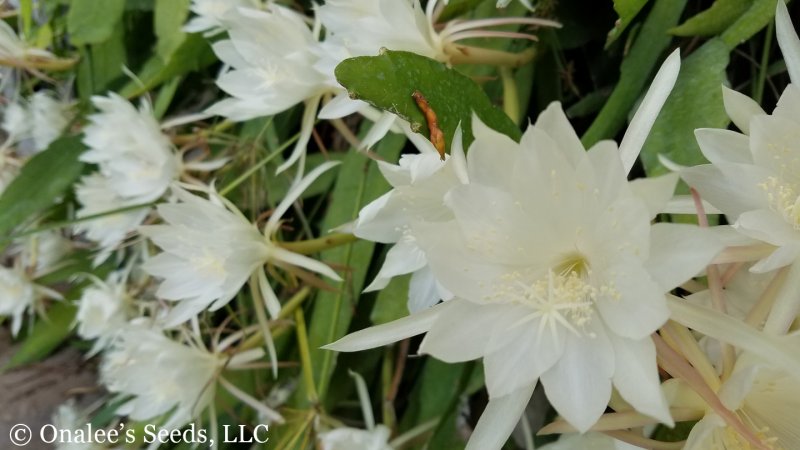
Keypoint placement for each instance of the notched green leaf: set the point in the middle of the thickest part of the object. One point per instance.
(387, 82)
(627, 11)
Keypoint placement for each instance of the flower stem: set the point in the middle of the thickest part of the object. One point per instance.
(317, 245)
(466, 54)
(305, 355)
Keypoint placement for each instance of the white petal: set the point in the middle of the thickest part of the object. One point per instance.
(423, 290)
(306, 129)
(636, 377)
(554, 122)
(740, 108)
(404, 257)
(460, 332)
(579, 385)
(655, 191)
(305, 262)
(387, 333)
(639, 297)
(768, 226)
(678, 252)
(340, 106)
(379, 130)
(724, 145)
(646, 115)
(700, 438)
(788, 41)
(499, 419)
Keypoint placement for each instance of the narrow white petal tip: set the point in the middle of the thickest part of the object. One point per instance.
(788, 41)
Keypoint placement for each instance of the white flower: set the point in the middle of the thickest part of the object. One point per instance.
(764, 399)
(136, 165)
(355, 439)
(166, 379)
(557, 272)
(96, 196)
(210, 251)
(17, 294)
(420, 183)
(102, 310)
(42, 252)
(588, 441)
(162, 376)
(36, 123)
(754, 177)
(129, 148)
(212, 13)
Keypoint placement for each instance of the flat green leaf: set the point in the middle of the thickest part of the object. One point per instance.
(387, 82)
(93, 21)
(636, 70)
(392, 301)
(46, 335)
(358, 183)
(714, 20)
(627, 11)
(169, 16)
(41, 181)
(760, 13)
(695, 102)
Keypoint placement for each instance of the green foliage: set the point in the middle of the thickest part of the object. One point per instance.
(43, 179)
(387, 82)
(92, 21)
(627, 11)
(46, 335)
(714, 20)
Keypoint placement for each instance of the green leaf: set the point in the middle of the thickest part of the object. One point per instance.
(93, 21)
(358, 183)
(695, 102)
(46, 335)
(636, 70)
(456, 8)
(169, 16)
(387, 82)
(760, 13)
(714, 20)
(627, 11)
(193, 54)
(41, 181)
(392, 301)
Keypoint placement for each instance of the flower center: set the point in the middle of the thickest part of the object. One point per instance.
(564, 297)
(783, 199)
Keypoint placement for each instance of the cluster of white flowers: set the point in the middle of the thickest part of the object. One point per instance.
(537, 256)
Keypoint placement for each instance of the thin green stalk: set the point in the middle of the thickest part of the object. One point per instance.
(243, 177)
(758, 88)
(305, 355)
(319, 244)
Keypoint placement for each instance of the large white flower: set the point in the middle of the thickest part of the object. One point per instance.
(211, 249)
(355, 439)
(557, 272)
(420, 183)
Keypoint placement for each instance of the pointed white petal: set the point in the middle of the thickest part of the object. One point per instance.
(305, 262)
(499, 419)
(680, 251)
(306, 128)
(724, 146)
(788, 41)
(655, 191)
(387, 333)
(404, 257)
(294, 193)
(636, 377)
(646, 115)
(740, 108)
